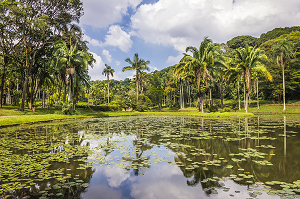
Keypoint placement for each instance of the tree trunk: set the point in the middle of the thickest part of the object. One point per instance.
(24, 93)
(210, 98)
(202, 102)
(244, 96)
(221, 92)
(3, 78)
(283, 85)
(108, 88)
(257, 94)
(190, 100)
(246, 104)
(137, 86)
(239, 94)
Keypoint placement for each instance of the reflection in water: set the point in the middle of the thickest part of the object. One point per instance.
(161, 157)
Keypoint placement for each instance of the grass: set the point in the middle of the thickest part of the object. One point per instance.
(9, 115)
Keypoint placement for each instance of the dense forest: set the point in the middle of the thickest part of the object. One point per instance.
(44, 62)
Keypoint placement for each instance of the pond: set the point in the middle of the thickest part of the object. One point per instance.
(152, 157)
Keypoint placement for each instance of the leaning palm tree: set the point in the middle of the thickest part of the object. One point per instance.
(138, 65)
(283, 50)
(106, 71)
(198, 63)
(249, 60)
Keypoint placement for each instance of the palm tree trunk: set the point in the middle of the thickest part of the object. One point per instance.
(108, 88)
(257, 94)
(221, 92)
(210, 98)
(283, 85)
(246, 104)
(202, 102)
(244, 96)
(190, 101)
(239, 94)
(137, 86)
(182, 96)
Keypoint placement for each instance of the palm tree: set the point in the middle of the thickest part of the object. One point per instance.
(198, 63)
(283, 50)
(249, 60)
(73, 62)
(138, 65)
(106, 71)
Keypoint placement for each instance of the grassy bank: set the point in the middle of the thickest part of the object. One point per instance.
(10, 115)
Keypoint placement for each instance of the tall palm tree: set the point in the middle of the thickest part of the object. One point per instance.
(283, 50)
(107, 71)
(138, 65)
(198, 63)
(249, 60)
(73, 62)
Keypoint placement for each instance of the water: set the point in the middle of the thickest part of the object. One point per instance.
(152, 157)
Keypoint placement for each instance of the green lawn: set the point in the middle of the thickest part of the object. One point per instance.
(10, 115)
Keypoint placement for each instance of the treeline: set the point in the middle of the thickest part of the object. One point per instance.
(244, 68)
(44, 61)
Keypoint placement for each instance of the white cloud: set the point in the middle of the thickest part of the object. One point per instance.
(174, 60)
(116, 176)
(91, 41)
(119, 38)
(115, 37)
(101, 14)
(117, 63)
(153, 68)
(107, 55)
(96, 72)
(181, 23)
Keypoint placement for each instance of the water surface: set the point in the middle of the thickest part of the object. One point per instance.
(152, 157)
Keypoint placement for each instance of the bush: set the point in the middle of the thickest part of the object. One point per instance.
(213, 108)
(226, 109)
(67, 108)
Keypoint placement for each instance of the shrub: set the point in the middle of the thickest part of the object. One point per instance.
(67, 108)
(213, 108)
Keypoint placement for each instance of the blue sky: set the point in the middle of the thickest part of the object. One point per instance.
(160, 30)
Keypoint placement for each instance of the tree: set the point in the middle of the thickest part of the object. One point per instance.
(250, 59)
(283, 50)
(198, 63)
(138, 65)
(106, 71)
(242, 41)
(74, 62)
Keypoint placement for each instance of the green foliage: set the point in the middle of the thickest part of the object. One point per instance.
(143, 104)
(67, 108)
(242, 41)
(276, 33)
(213, 108)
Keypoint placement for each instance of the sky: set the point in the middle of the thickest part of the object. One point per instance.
(160, 30)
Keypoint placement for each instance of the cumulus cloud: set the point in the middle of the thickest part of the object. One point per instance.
(107, 55)
(119, 38)
(116, 176)
(101, 14)
(96, 72)
(91, 41)
(174, 60)
(180, 23)
(115, 37)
